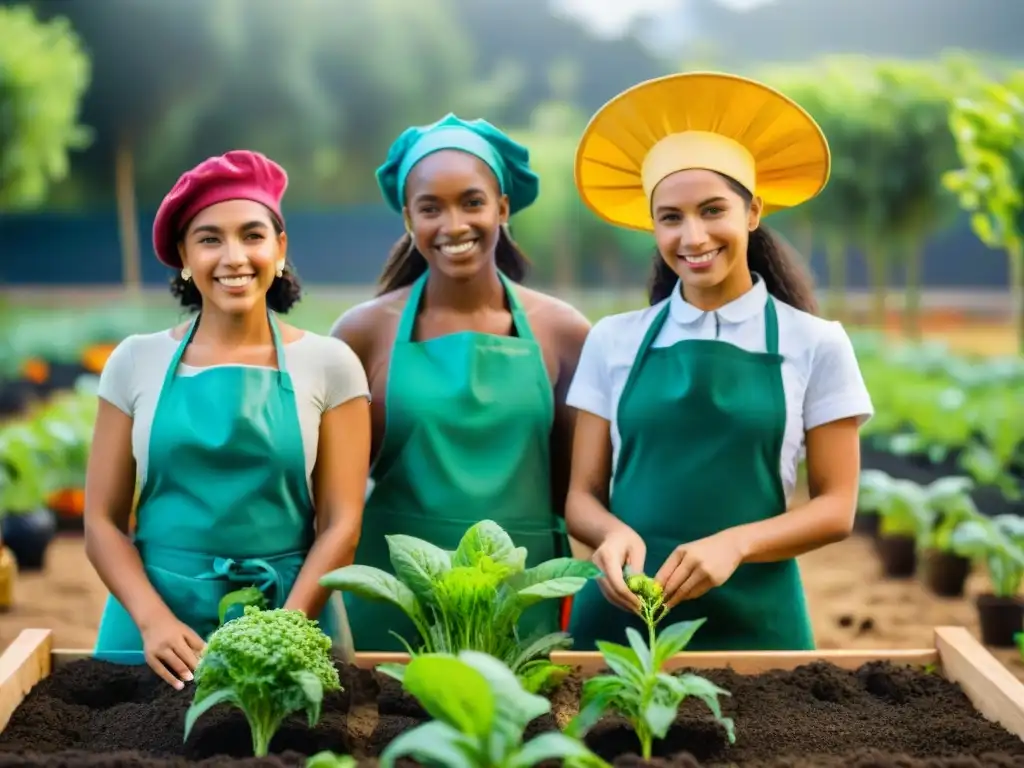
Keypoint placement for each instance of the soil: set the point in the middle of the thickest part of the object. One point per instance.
(90, 714)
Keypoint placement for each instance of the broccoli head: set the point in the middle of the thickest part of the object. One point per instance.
(269, 664)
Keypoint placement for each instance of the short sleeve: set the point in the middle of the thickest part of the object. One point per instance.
(344, 376)
(117, 379)
(835, 387)
(590, 389)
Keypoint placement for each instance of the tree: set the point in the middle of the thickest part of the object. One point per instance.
(43, 75)
(989, 129)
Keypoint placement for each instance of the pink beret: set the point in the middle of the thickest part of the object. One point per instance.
(236, 175)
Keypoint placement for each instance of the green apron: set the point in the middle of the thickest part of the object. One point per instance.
(225, 504)
(701, 425)
(469, 419)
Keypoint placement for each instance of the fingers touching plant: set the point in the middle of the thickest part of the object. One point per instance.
(641, 692)
(269, 664)
(480, 713)
(472, 598)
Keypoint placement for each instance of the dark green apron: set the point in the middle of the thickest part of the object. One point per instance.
(469, 419)
(701, 425)
(225, 504)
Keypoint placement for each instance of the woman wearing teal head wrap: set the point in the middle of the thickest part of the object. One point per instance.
(468, 370)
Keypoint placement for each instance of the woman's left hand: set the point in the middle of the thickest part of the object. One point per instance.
(694, 568)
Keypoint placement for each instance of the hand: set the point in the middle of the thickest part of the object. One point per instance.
(694, 568)
(621, 548)
(172, 649)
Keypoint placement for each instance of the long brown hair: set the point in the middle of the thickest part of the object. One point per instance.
(405, 263)
(768, 254)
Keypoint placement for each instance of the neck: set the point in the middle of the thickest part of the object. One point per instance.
(717, 296)
(250, 329)
(482, 291)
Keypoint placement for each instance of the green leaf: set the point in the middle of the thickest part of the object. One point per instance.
(434, 742)
(556, 568)
(639, 646)
(622, 660)
(513, 705)
(673, 639)
(313, 690)
(452, 691)
(204, 705)
(328, 759)
(418, 564)
(488, 539)
(374, 584)
(547, 590)
(239, 599)
(551, 746)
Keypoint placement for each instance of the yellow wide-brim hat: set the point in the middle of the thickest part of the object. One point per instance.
(708, 120)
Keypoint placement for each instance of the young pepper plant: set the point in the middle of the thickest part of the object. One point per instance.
(472, 598)
(640, 690)
(480, 712)
(269, 664)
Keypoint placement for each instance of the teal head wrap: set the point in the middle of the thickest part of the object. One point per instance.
(509, 160)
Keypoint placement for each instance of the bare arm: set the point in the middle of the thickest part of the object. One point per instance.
(586, 508)
(572, 333)
(339, 485)
(833, 469)
(109, 495)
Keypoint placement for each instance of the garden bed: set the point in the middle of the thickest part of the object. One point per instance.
(826, 708)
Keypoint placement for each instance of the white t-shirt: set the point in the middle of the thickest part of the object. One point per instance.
(325, 373)
(820, 374)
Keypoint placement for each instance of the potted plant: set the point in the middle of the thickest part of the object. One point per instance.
(944, 571)
(904, 516)
(28, 526)
(999, 541)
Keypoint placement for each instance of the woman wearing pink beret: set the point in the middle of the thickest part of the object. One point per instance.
(250, 438)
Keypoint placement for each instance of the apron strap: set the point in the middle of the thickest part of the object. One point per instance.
(771, 327)
(407, 322)
(172, 369)
(283, 376)
(641, 353)
(519, 321)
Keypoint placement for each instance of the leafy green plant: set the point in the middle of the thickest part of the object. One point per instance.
(480, 712)
(269, 664)
(952, 505)
(642, 692)
(999, 541)
(901, 504)
(472, 598)
(652, 600)
(328, 759)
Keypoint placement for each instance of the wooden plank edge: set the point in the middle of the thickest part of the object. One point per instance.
(23, 663)
(64, 656)
(755, 662)
(990, 686)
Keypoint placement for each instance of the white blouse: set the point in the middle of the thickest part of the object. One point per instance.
(820, 374)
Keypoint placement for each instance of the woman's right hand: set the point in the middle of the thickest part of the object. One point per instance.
(623, 547)
(172, 649)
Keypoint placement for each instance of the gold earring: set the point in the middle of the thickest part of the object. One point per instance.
(186, 274)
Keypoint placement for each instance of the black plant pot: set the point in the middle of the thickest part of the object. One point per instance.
(945, 573)
(866, 525)
(28, 535)
(1000, 618)
(899, 555)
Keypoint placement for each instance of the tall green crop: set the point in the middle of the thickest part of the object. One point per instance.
(269, 664)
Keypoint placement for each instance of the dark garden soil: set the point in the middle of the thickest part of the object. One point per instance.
(91, 714)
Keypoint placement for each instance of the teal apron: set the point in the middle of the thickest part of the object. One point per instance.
(701, 425)
(225, 504)
(469, 419)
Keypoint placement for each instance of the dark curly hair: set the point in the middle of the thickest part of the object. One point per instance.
(768, 254)
(284, 293)
(405, 263)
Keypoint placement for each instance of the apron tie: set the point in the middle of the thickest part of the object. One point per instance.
(254, 570)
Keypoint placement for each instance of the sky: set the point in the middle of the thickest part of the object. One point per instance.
(612, 17)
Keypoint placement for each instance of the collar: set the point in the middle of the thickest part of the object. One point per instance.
(736, 311)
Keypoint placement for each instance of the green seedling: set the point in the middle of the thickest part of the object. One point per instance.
(269, 664)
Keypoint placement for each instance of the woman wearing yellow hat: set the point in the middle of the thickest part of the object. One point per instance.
(694, 412)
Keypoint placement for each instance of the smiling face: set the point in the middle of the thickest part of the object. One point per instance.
(702, 223)
(234, 250)
(455, 210)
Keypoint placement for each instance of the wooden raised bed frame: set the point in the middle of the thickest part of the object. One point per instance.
(993, 690)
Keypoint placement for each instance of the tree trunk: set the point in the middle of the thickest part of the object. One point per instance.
(912, 292)
(878, 274)
(128, 224)
(835, 257)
